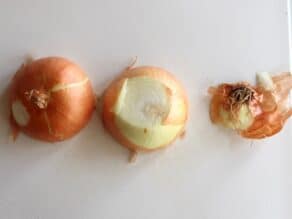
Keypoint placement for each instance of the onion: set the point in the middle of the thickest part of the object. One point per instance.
(51, 99)
(145, 108)
(253, 111)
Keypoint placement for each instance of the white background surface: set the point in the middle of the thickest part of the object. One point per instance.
(210, 174)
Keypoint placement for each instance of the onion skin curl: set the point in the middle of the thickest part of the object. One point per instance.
(269, 108)
(111, 94)
(56, 94)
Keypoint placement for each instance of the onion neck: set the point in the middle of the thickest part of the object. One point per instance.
(38, 98)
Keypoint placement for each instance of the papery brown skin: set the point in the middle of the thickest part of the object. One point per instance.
(269, 108)
(68, 110)
(112, 92)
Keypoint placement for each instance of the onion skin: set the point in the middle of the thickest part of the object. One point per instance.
(67, 110)
(112, 92)
(275, 111)
(268, 107)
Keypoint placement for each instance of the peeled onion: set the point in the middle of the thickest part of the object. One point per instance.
(145, 108)
(51, 99)
(253, 111)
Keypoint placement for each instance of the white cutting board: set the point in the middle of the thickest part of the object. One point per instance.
(210, 174)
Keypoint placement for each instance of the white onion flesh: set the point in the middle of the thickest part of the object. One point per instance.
(20, 113)
(143, 101)
(265, 80)
(142, 106)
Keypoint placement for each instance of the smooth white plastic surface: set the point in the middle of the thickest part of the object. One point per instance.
(210, 174)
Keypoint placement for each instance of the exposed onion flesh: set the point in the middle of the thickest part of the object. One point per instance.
(127, 129)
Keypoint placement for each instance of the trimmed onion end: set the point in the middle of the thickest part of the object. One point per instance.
(255, 112)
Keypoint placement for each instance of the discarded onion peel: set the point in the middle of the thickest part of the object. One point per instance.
(255, 112)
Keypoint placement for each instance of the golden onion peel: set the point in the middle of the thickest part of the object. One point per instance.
(253, 111)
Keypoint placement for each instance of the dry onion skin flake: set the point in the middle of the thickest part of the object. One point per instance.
(51, 99)
(145, 108)
(255, 112)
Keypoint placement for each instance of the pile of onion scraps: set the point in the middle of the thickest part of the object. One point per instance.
(255, 112)
(51, 99)
(145, 108)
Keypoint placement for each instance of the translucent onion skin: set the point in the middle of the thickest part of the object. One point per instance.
(69, 99)
(111, 94)
(269, 108)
